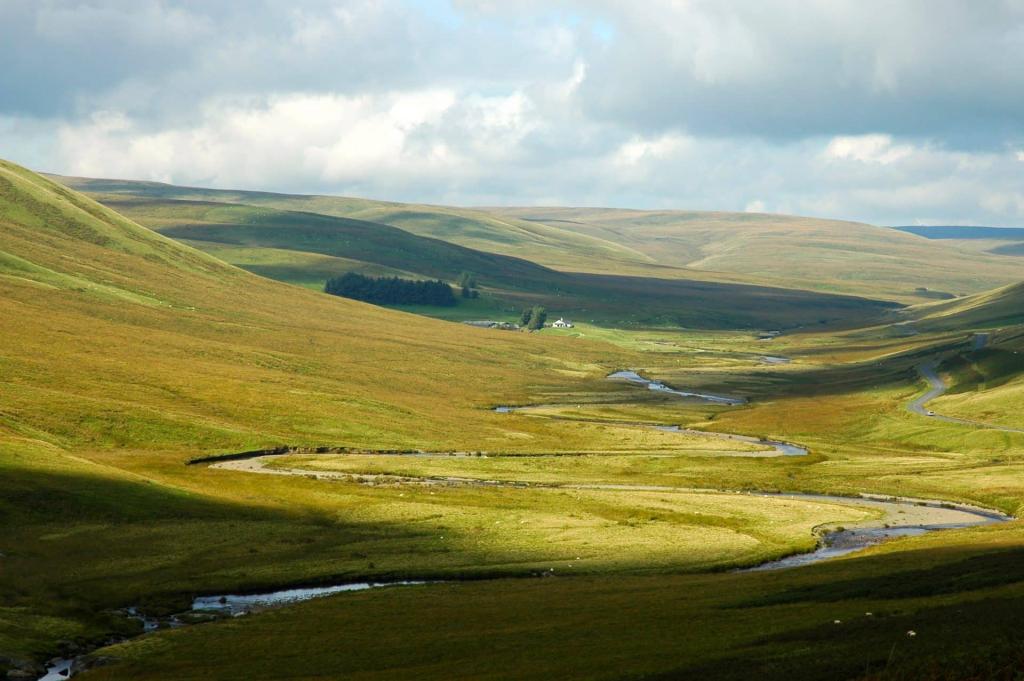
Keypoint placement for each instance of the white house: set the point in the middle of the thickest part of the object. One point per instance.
(561, 324)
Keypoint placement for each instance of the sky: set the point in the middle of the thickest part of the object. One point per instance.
(884, 111)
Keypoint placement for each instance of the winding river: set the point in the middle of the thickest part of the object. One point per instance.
(895, 517)
(634, 377)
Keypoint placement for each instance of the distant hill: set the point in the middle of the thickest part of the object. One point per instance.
(811, 253)
(543, 244)
(1000, 241)
(830, 256)
(303, 247)
(992, 309)
(965, 232)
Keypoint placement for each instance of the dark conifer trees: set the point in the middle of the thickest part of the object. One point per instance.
(391, 290)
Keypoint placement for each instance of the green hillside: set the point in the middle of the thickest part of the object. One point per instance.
(127, 355)
(292, 246)
(1000, 307)
(813, 253)
(368, 242)
(779, 250)
(544, 244)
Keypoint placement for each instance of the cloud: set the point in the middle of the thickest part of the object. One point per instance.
(793, 68)
(286, 140)
(867, 149)
(903, 112)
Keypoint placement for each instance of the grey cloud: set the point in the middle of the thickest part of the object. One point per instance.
(161, 58)
(656, 104)
(55, 53)
(791, 69)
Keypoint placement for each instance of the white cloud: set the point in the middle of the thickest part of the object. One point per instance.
(891, 113)
(867, 149)
(283, 139)
(638, 150)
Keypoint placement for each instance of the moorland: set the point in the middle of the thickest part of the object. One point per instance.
(184, 412)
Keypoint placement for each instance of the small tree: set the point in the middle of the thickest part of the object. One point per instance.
(538, 316)
(467, 282)
(524, 319)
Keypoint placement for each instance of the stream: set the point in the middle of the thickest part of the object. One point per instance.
(228, 605)
(779, 448)
(634, 377)
(240, 604)
(899, 517)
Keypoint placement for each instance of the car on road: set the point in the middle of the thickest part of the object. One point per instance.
(930, 412)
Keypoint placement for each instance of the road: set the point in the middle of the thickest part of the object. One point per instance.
(938, 387)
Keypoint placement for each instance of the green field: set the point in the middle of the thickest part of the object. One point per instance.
(127, 354)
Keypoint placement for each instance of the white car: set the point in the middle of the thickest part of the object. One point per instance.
(930, 412)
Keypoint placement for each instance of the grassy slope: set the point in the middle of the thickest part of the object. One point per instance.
(828, 255)
(112, 380)
(127, 354)
(548, 245)
(991, 309)
(788, 251)
(986, 385)
(510, 282)
(807, 624)
(249, 226)
(961, 593)
(70, 265)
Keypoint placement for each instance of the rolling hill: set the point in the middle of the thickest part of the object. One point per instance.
(812, 253)
(128, 354)
(984, 364)
(82, 284)
(544, 244)
(1000, 307)
(303, 247)
(776, 250)
(125, 354)
(994, 240)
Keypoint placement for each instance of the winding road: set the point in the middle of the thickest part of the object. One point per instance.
(938, 387)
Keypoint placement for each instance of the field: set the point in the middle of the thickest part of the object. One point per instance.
(126, 355)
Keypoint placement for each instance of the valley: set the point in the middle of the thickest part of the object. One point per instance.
(751, 413)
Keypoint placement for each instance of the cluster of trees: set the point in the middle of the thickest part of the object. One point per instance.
(391, 290)
(533, 319)
(467, 282)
